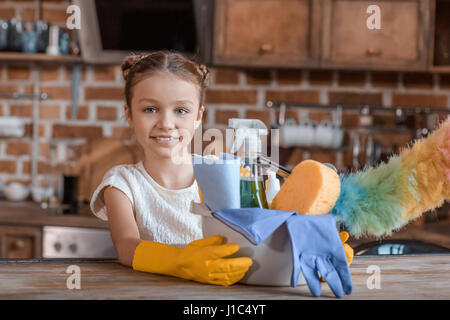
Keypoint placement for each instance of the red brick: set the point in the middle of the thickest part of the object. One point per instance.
(418, 80)
(289, 77)
(41, 167)
(295, 158)
(18, 148)
(7, 13)
(291, 113)
(352, 78)
(104, 93)
(393, 139)
(18, 73)
(44, 149)
(226, 76)
(106, 113)
(320, 77)
(231, 96)
(67, 131)
(8, 89)
(383, 119)
(57, 93)
(68, 73)
(263, 115)
(23, 111)
(319, 115)
(49, 73)
(323, 156)
(8, 166)
(56, 16)
(49, 112)
(125, 133)
(384, 79)
(28, 14)
(350, 119)
(29, 130)
(305, 96)
(104, 73)
(352, 98)
(222, 116)
(82, 112)
(258, 77)
(419, 100)
(444, 80)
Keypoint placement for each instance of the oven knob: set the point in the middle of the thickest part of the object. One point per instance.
(73, 247)
(57, 246)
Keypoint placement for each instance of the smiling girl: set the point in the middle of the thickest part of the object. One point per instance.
(147, 204)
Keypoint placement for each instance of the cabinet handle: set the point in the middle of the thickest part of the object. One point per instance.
(17, 245)
(372, 52)
(266, 48)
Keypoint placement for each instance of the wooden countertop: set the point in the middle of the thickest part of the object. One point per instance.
(402, 277)
(28, 213)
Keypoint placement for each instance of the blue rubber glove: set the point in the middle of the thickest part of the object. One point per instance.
(315, 241)
(255, 224)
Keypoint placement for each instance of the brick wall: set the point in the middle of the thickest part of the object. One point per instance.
(233, 93)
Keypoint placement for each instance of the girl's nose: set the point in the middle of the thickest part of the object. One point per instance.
(166, 121)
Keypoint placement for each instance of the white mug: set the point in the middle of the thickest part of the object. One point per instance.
(287, 133)
(304, 134)
(323, 135)
(338, 136)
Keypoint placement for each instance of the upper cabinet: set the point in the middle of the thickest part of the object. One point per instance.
(402, 40)
(323, 33)
(274, 33)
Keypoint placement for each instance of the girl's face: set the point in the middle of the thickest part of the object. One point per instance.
(164, 114)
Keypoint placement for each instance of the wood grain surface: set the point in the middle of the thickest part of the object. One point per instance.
(401, 277)
(28, 213)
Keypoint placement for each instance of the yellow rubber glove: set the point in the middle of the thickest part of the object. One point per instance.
(348, 250)
(201, 261)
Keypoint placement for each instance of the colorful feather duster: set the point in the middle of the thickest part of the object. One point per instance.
(377, 201)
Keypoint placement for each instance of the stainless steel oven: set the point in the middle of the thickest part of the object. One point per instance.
(69, 242)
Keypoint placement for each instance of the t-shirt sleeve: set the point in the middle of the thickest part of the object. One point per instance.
(116, 177)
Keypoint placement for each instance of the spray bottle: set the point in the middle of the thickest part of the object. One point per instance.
(248, 132)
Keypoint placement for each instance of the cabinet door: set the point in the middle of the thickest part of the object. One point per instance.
(20, 242)
(270, 33)
(401, 42)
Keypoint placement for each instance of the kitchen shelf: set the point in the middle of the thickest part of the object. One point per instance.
(440, 69)
(20, 57)
(417, 110)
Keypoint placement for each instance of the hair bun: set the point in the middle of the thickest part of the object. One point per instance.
(205, 74)
(127, 64)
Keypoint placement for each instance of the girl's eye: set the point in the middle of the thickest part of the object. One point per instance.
(183, 111)
(149, 109)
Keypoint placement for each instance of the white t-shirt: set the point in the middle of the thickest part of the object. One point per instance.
(161, 214)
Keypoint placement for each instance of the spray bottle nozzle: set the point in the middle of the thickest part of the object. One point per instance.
(248, 131)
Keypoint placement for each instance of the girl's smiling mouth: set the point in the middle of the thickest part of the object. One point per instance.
(166, 139)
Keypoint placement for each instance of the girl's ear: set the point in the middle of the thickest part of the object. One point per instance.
(199, 117)
(127, 113)
(200, 113)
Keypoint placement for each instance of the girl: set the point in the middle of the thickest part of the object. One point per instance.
(147, 204)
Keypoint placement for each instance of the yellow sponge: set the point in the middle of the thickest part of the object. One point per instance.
(311, 188)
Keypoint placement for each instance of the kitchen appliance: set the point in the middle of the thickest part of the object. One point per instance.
(70, 242)
(110, 30)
